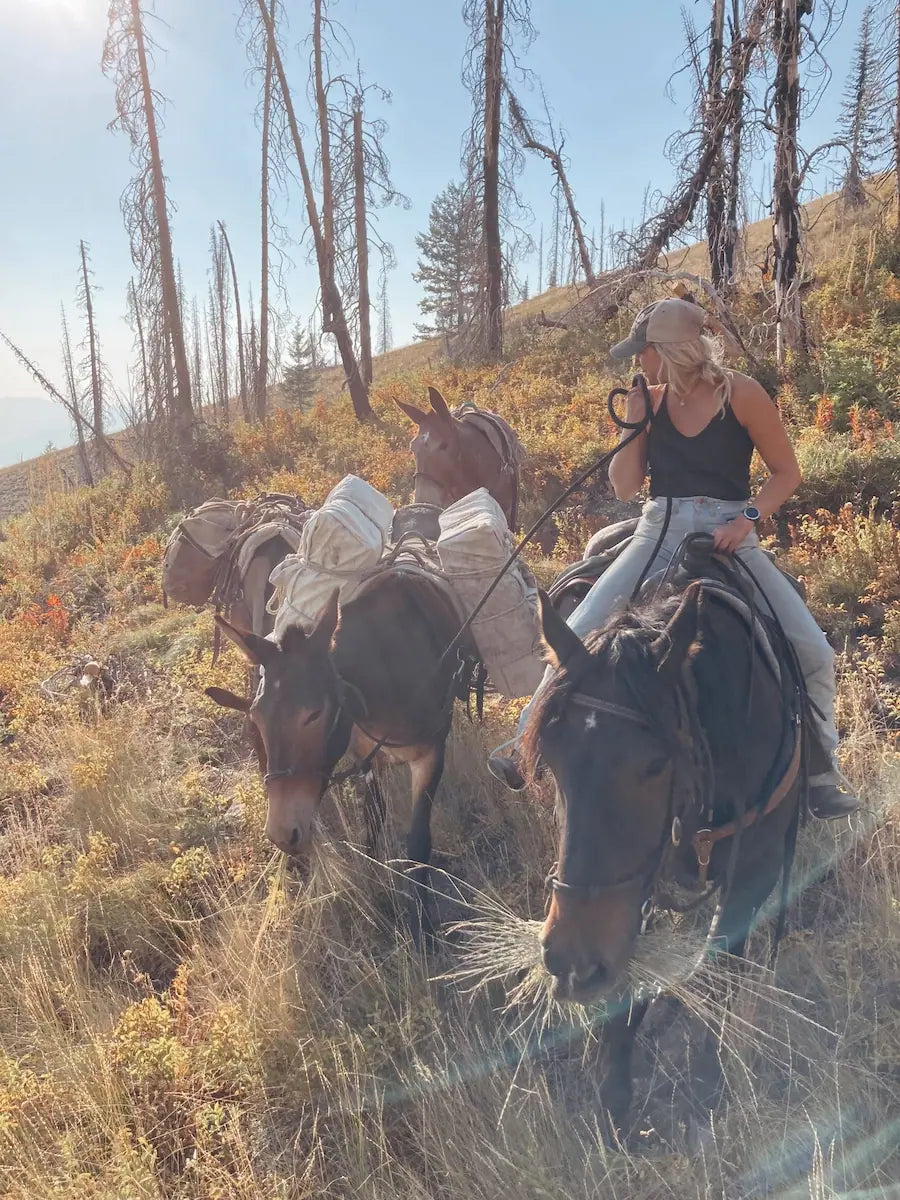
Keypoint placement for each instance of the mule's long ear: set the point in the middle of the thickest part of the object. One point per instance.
(228, 699)
(439, 404)
(565, 649)
(327, 620)
(259, 651)
(679, 639)
(413, 413)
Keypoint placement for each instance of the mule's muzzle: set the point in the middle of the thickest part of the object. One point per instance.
(578, 984)
(293, 804)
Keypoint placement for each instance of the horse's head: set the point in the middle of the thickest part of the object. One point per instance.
(608, 728)
(300, 721)
(441, 475)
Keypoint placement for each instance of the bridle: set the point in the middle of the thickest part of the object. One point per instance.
(688, 736)
(340, 713)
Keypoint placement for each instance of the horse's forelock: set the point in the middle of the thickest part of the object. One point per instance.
(622, 648)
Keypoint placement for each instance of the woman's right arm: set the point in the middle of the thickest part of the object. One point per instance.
(628, 469)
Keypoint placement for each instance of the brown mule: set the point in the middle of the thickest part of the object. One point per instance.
(459, 452)
(377, 673)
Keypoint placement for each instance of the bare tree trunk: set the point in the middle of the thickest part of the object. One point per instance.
(362, 246)
(493, 251)
(733, 188)
(55, 394)
(715, 189)
(262, 368)
(171, 312)
(142, 347)
(897, 121)
(242, 362)
(786, 182)
(84, 457)
(324, 144)
(96, 376)
(219, 300)
(197, 381)
(335, 321)
(530, 142)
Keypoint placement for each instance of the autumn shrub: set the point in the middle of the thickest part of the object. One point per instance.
(847, 468)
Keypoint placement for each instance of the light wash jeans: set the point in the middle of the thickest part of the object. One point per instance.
(701, 514)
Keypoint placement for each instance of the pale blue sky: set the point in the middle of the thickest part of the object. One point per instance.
(604, 67)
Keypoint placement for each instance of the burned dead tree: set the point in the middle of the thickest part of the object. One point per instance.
(789, 330)
(93, 364)
(321, 223)
(55, 394)
(553, 154)
(127, 54)
(239, 327)
(654, 236)
(716, 197)
(218, 314)
(75, 402)
(362, 243)
(492, 155)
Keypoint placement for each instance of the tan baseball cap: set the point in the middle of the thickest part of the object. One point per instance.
(670, 320)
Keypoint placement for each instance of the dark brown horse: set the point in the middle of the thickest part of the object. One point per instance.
(379, 672)
(458, 452)
(675, 752)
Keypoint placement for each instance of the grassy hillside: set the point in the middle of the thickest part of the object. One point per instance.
(181, 1015)
(831, 228)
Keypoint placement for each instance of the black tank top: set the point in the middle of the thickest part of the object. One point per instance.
(715, 463)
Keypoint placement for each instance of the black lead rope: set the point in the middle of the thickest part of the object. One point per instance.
(635, 429)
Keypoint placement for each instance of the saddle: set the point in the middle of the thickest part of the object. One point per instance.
(572, 585)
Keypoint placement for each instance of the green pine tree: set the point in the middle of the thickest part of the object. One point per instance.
(449, 262)
(298, 384)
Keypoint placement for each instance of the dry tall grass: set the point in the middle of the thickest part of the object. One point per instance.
(181, 1016)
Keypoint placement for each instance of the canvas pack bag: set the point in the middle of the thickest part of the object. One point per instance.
(341, 542)
(194, 551)
(473, 546)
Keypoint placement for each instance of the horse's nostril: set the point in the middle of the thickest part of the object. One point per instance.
(554, 962)
(295, 837)
(598, 974)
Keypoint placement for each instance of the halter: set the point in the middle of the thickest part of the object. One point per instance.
(672, 826)
(505, 469)
(339, 712)
(692, 737)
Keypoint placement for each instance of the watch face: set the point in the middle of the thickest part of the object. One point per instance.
(751, 512)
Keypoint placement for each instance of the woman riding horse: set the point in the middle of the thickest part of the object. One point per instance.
(706, 423)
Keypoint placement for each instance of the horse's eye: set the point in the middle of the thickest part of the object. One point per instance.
(313, 716)
(655, 767)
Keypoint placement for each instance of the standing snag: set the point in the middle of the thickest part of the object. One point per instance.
(127, 54)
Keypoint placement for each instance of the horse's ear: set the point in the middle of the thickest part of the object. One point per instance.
(256, 649)
(228, 699)
(679, 641)
(564, 649)
(327, 620)
(439, 405)
(413, 413)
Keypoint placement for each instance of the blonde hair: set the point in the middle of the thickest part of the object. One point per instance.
(686, 365)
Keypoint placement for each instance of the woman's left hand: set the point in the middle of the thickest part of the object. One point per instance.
(727, 538)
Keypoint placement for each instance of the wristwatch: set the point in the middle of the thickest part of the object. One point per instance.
(752, 513)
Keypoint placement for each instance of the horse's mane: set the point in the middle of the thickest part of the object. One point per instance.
(621, 647)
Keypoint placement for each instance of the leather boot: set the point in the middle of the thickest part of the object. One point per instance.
(828, 801)
(507, 770)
